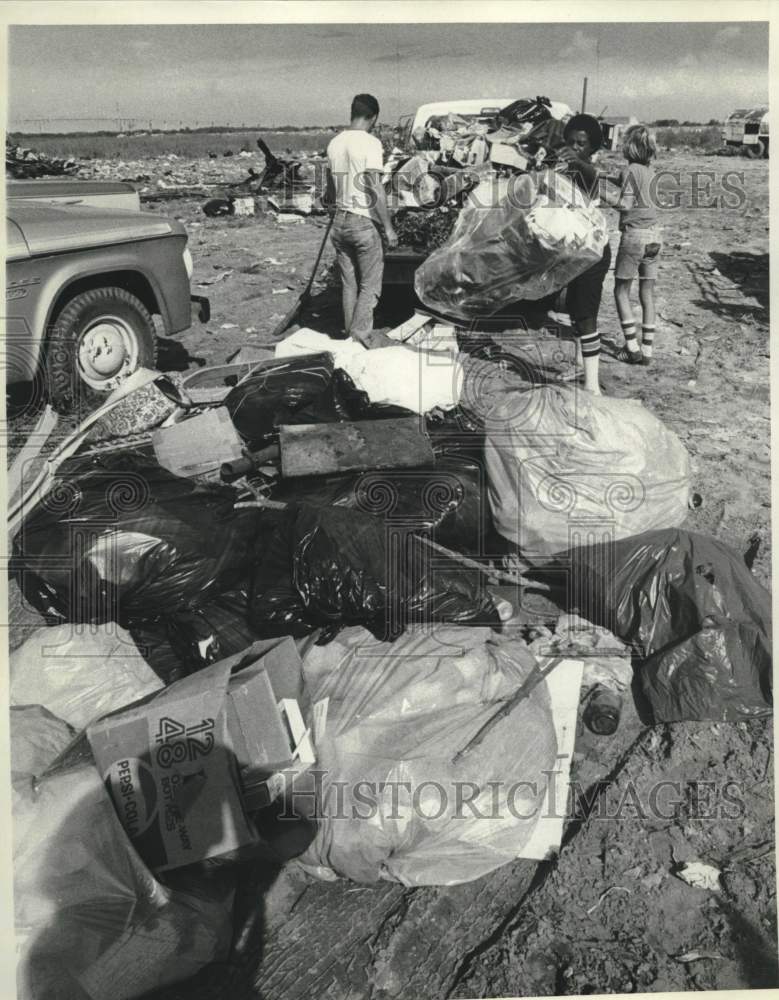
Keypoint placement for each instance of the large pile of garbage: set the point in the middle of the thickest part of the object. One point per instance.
(282, 589)
(451, 157)
(22, 163)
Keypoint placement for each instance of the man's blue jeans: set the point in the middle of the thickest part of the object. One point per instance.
(360, 255)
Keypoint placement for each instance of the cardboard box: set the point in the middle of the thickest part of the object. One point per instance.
(199, 445)
(172, 764)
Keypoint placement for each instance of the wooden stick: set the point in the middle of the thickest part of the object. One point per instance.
(534, 678)
(495, 574)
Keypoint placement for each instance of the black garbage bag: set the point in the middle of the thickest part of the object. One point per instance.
(332, 567)
(448, 499)
(691, 610)
(123, 539)
(305, 389)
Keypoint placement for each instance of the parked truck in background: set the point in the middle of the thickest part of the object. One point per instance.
(748, 128)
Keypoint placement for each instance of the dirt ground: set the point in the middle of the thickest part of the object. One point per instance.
(608, 915)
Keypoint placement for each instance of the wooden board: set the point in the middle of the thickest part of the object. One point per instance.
(318, 449)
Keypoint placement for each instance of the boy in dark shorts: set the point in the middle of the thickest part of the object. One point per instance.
(584, 137)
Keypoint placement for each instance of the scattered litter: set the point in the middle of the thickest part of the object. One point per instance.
(696, 956)
(229, 326)
(699, 875)
(613, 888)
(219, 277)
(282, 291)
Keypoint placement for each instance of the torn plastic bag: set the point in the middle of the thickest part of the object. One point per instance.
(334, 567)
(92, 921)
(121, 539)
(80, 673)
(562, 463)
(448, 500)
(396, 716)
(690, 608)
(511, 243)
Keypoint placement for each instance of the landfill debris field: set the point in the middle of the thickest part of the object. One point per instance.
(250, 557)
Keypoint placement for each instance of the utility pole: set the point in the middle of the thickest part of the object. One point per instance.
(584, 96)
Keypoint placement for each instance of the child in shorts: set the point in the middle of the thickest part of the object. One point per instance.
(639, 246)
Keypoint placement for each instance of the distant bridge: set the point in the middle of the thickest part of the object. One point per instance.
(118, 123)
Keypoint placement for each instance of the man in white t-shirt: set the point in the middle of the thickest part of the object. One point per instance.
(355, 190)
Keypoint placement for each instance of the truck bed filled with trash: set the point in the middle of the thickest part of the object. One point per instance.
(347, 654)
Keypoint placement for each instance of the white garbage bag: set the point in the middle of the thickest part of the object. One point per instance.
(566, 468)
(80, 672)
(393, 805)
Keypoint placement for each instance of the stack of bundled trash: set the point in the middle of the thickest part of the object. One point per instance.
(453, 156)
(283, 589)
(22, 163)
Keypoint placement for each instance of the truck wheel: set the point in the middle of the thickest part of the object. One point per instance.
(755, 150)
(98, 339)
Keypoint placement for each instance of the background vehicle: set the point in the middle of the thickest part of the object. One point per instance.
(83, 285)
(748, 128)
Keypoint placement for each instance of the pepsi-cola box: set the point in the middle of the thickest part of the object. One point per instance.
(172, 763)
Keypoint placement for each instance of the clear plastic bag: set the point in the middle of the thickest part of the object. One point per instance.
(562, 463)
(513, 242)
(80, 672)
(391, 800)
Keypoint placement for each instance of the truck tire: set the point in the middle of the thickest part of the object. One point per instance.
(755, 150)
(97, 340)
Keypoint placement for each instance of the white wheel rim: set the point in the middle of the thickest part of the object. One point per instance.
(108, 351)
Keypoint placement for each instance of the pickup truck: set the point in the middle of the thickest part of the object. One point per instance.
(84, 281)
(748, 128)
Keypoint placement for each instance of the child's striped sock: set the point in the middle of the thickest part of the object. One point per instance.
(629, 333)
(647, 340)
(590, 344)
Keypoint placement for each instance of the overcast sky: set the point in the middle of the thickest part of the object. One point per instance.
(307, 74)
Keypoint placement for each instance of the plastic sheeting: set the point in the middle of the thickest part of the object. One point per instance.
(401, 376)
(691, 609)
(512, 243)
(92, 921)
(396, 715)
(334, 567)
(80, 673)
(562, 464)
(121, 539)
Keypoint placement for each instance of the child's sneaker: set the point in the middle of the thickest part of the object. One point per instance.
(630, 357)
